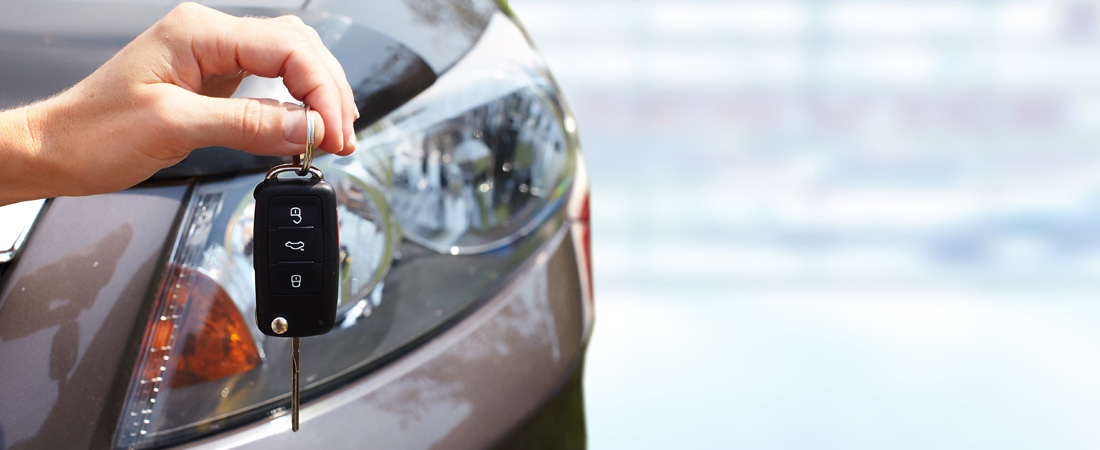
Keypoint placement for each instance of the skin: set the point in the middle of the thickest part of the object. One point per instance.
(165, 94)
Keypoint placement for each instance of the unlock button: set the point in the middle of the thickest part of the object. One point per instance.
(295, 278)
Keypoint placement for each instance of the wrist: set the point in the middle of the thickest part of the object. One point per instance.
(25, 172)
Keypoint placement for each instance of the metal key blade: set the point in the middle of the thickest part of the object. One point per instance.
(294, 388)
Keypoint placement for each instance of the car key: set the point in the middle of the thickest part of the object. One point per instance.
(296, 255)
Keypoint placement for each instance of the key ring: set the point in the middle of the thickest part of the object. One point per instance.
(310, 141)
(300, 167)
(283, 168)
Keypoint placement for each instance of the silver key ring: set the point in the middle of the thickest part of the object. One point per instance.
(310, 143)
(296, 168)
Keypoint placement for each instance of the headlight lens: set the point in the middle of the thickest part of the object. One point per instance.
(471, 163)
(475, 182)
(478, 162)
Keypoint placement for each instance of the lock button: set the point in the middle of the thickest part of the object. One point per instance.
(295, 278)
(294, 211)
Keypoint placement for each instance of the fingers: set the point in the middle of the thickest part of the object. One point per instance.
(261, 127)
(283, 47)
(295, 24)
(268, 50)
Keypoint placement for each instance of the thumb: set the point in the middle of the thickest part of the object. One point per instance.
(257, 126)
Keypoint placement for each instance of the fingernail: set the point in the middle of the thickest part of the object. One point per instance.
(351, 143)
(356, 113)
(294, 124)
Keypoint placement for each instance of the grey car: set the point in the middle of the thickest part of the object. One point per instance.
(127, 320)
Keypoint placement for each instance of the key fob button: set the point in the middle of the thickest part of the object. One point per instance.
(289, 245)
(295, 278)
(294, 211)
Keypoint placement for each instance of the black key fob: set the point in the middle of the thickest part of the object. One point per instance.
(296, 255)
(296, 242)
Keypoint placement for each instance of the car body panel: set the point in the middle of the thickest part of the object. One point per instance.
(67, 308)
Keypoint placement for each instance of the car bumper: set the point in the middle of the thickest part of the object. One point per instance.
(468, 387)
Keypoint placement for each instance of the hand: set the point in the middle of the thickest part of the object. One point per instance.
(164, 94)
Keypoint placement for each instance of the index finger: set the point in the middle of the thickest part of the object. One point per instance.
(265, 49)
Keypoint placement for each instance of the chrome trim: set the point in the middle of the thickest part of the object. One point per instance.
(16, 221)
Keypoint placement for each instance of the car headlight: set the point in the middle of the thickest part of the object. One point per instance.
(445, 198)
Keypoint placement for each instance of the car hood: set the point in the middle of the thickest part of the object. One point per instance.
(391, 50)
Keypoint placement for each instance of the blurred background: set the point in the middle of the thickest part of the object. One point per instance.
(838, 224)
